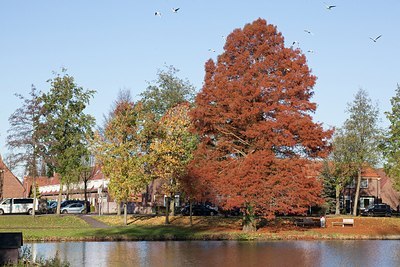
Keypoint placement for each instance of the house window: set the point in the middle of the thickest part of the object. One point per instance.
(364, 183)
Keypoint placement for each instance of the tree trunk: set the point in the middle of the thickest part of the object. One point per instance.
(119, 208)
(172, 205)
(249, 223)
(167, 211)
(357, 196)
(190, 212)
(337, 197)
(59, 199)
(85, 195)
(34, 195)
(125, 214)
(67, 193)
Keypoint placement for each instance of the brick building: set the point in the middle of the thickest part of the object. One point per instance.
(10, 185)
(376, 187)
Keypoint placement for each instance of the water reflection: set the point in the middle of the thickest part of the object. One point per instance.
(224, 253)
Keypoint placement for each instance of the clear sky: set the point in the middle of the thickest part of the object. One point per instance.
(111, 45)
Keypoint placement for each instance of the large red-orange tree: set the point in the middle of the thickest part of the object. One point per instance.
(254, 117)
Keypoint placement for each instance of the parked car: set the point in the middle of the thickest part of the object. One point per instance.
(17, 205)
(378, 210)
(70, 201)
(43, 206)
(73, 208)
(198, 210)
(52, 207)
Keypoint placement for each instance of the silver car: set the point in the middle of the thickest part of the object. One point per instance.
(73, 208)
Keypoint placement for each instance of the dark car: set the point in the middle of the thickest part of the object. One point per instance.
(198, 210)
(378, 210)
(52, 207)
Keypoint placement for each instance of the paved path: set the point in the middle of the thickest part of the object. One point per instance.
(93, 222)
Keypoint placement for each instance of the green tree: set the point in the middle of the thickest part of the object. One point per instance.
(118, 148)
(65, 127)
(24, 136)
(171, 152)
(391, 147)
(363, 137)
(337, 170)
(166, 92)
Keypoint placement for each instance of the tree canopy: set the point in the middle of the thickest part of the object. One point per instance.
(165, 92)
(391, 146)
(171, 152)
(363, 137)
(253, 116)
(65, 127)
(118, 148)
(24, 136)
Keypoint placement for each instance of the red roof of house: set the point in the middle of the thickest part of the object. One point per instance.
(370, 173)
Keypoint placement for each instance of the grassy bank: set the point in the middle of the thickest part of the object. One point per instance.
(62, 228)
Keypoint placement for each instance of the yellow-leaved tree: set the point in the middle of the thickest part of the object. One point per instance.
(171, 151)
(117, 147)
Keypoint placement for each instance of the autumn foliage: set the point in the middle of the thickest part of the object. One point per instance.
(254, 118)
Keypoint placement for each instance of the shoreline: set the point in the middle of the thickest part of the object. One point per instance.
(70, 228)
(211, 239)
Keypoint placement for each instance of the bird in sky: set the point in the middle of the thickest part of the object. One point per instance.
(295, 42)
(308, 31)
(211, 50)
(329, 7)
(157, 13)
(376, 38)
(175, 9)
(310, 51)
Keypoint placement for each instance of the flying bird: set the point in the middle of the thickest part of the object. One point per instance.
(295, 42)
(157, 13)
(376, 38)
(308, 31)
(175, 9)
(329, 7)
(310, 51)
(211, 50)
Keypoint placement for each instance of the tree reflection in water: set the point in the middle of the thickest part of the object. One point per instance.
(224, 253)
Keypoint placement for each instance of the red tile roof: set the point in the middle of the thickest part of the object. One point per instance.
(369, 172)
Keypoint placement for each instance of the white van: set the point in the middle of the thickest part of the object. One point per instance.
(17, 205)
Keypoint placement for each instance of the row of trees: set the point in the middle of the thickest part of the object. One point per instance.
(244, 140)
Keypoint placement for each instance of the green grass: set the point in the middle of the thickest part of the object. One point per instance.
(45, 227)
(73, 228)
(40, 222)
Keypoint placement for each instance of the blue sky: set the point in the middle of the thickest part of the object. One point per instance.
(113, 45)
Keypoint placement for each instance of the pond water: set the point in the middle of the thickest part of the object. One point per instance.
(224, 253)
